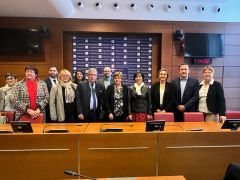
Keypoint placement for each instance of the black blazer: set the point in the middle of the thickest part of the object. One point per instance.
(84, 95)
(215, 99)
(49, 84)
(140, 103)
(168, 97)
(109, 100)
(190, 95)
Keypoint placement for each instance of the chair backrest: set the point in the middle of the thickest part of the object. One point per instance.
(39, 119)
(233, 114)
(9, 114)
(168, 116)
(193, 117)
(232, 172)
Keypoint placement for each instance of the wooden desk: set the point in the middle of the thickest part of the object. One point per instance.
(197, 155)
(37, 155)
(134, 152)
(144, 178)
(147, 178)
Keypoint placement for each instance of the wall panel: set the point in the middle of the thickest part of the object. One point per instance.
(58, 52)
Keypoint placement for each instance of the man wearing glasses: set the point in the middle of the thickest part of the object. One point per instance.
(6, 92)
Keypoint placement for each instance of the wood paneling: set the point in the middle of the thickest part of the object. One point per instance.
(130, 156)
(45, 156)
(212, 28)
(181, 153)
(57, 49)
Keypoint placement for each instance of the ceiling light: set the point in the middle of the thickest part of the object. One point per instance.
(116, 6)
(216, 9)
(80, 5)
(185, 8)
(98, 5)
(201, 8)
(168, 7)
(133, 6)
(150, 7)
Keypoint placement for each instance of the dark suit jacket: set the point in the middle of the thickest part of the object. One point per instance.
(109, 100)
(84, 95)
(49, 87)
(190, 95)
(101, 81)
(49, 84)
(215, 99)
(168, 97)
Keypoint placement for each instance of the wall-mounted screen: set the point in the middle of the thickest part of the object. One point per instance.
(19, 42)
(204, 45)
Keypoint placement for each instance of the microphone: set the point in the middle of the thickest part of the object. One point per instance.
(72, 173)
(113, 129)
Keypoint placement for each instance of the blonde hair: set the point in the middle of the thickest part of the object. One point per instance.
(210, 68)
(64, 71)
(118, 73)
(162, 69)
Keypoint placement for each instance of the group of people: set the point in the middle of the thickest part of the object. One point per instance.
(63, 98)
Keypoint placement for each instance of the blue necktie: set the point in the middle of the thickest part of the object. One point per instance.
(94, 97)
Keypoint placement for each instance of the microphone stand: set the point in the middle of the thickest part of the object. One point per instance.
(72, 173)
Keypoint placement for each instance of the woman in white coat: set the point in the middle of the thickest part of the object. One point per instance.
(63, 99)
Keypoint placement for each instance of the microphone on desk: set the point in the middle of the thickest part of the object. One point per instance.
(72, 173)
(113, 129)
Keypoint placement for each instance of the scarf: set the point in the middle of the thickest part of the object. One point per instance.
(138, 88)
(32, 92)
(6, 88)
(69, 91)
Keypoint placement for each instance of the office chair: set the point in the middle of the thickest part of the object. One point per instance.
(232, 172)
(39, 119)
(193, 117)
(233, 114)
(168, 116)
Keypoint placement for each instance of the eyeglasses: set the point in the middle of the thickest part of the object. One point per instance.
(9, 78)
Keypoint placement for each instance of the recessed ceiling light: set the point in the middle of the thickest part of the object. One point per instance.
(116, 6)
(98, 5)
(133, 6)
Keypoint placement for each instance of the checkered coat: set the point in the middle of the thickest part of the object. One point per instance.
(21, 98)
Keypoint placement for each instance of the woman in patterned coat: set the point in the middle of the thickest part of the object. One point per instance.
(30, 94)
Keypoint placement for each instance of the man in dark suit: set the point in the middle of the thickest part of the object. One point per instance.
(50, 81)
(90, 98)
(186, 93)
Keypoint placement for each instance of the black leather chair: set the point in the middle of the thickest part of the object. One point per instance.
(232, 172)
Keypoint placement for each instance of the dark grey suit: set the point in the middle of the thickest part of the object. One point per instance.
(49, 86)
(189, 99)
(101, 81)
(83, 101)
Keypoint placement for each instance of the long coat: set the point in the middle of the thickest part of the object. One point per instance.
(21, 100)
